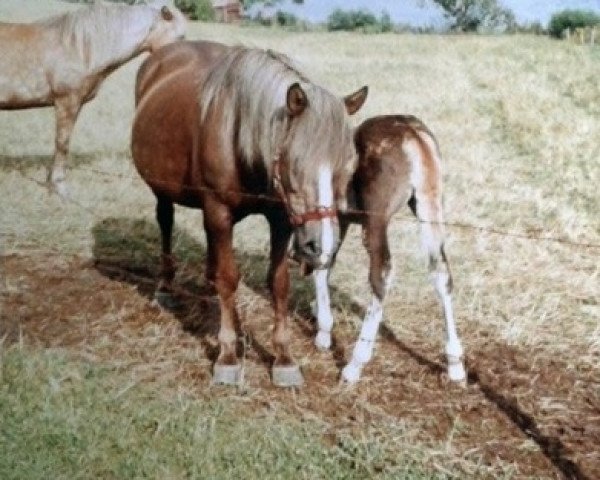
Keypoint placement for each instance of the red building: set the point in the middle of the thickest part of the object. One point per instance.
(228, 11)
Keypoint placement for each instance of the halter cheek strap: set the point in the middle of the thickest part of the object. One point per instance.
(298, 219)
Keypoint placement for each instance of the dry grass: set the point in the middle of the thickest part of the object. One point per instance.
(517, 120)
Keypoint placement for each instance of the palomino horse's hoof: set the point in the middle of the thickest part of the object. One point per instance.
(166, 300)
(227, 374)
(287, 376)
(60, 188)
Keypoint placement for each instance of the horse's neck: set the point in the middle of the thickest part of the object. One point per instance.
(121, 44)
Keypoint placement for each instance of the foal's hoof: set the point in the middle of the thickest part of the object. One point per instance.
(351, 373)
(287, 376)
(457, 374)
(323, 341)
(166, 300)
(227, 374)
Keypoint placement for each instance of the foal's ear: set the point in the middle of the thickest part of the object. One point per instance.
(296, 100)
(166, 13)
(355, 100)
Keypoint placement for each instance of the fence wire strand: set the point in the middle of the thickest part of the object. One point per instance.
(358, 212)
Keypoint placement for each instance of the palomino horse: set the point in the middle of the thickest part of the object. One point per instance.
(237, 131)
(63, 60)
(399, 164)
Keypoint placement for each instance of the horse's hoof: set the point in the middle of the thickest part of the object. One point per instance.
(227, 374)
(287, 376)
(323, 341)
(166, 300)
(60, 188)
(351, 373)
(457, 374)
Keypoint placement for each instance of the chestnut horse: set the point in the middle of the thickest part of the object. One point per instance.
(238, 131)
(62, 61)
(399, 164)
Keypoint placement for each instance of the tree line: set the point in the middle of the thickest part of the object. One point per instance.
(462, 15)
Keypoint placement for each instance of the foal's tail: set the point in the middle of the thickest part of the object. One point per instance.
(426, 201)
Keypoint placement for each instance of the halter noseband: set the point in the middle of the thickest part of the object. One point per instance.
(298, 219)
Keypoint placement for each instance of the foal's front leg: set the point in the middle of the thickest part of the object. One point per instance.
(286, 372)
(219, 229)
(322, 309)
(380, 275)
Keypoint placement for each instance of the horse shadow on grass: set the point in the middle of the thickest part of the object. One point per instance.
(127, 250)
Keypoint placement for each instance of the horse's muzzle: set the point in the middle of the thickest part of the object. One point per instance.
(316, 243)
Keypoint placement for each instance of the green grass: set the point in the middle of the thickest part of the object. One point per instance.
(65, 419)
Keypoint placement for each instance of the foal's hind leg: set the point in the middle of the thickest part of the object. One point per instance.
(429, 212)
(380, 276)
(66, 111)
(164, 217)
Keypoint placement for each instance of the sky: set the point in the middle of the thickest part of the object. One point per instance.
(410, 11)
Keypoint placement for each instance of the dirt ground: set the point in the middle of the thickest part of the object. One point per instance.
(520, 408)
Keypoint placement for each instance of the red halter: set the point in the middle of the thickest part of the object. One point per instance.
(298, 219)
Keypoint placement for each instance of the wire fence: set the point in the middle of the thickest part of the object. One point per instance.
(537, 237)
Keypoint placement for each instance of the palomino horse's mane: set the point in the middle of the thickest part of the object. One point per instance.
(103, 32)
(251, 86)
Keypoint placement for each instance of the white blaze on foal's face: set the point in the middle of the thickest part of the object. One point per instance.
(326, 200)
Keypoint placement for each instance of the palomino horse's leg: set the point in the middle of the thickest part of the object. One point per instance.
(380, 276)
(429, 212)
(164, 217)
(219, 229)
(286, 372)
(66, 111)
(322, 310)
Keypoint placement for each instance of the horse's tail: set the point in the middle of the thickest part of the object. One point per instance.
(426, 181)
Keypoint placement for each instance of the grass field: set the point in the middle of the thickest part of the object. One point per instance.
(95, 381)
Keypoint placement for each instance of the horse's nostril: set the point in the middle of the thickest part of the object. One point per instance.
(312, 248)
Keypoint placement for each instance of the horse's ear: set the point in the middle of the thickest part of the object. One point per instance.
(166, 13)
(296, 100)
(356, 100)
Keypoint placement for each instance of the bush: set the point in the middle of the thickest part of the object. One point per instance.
(358, 20)
(285, 19)
(571, 19)
(197, 9)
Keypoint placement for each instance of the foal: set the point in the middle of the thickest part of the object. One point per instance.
(399, 164)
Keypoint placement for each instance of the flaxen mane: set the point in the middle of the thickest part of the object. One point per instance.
(103, 32)
(252, 85)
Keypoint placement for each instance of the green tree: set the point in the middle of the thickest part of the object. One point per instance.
(471, 15)
(571, 19)
(350, 20)
(197, 9)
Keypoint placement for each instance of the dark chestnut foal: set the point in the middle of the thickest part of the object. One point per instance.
(399, 164)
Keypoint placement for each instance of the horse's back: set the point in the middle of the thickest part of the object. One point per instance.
(170, 58)
(390, 149)
(23, 80)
